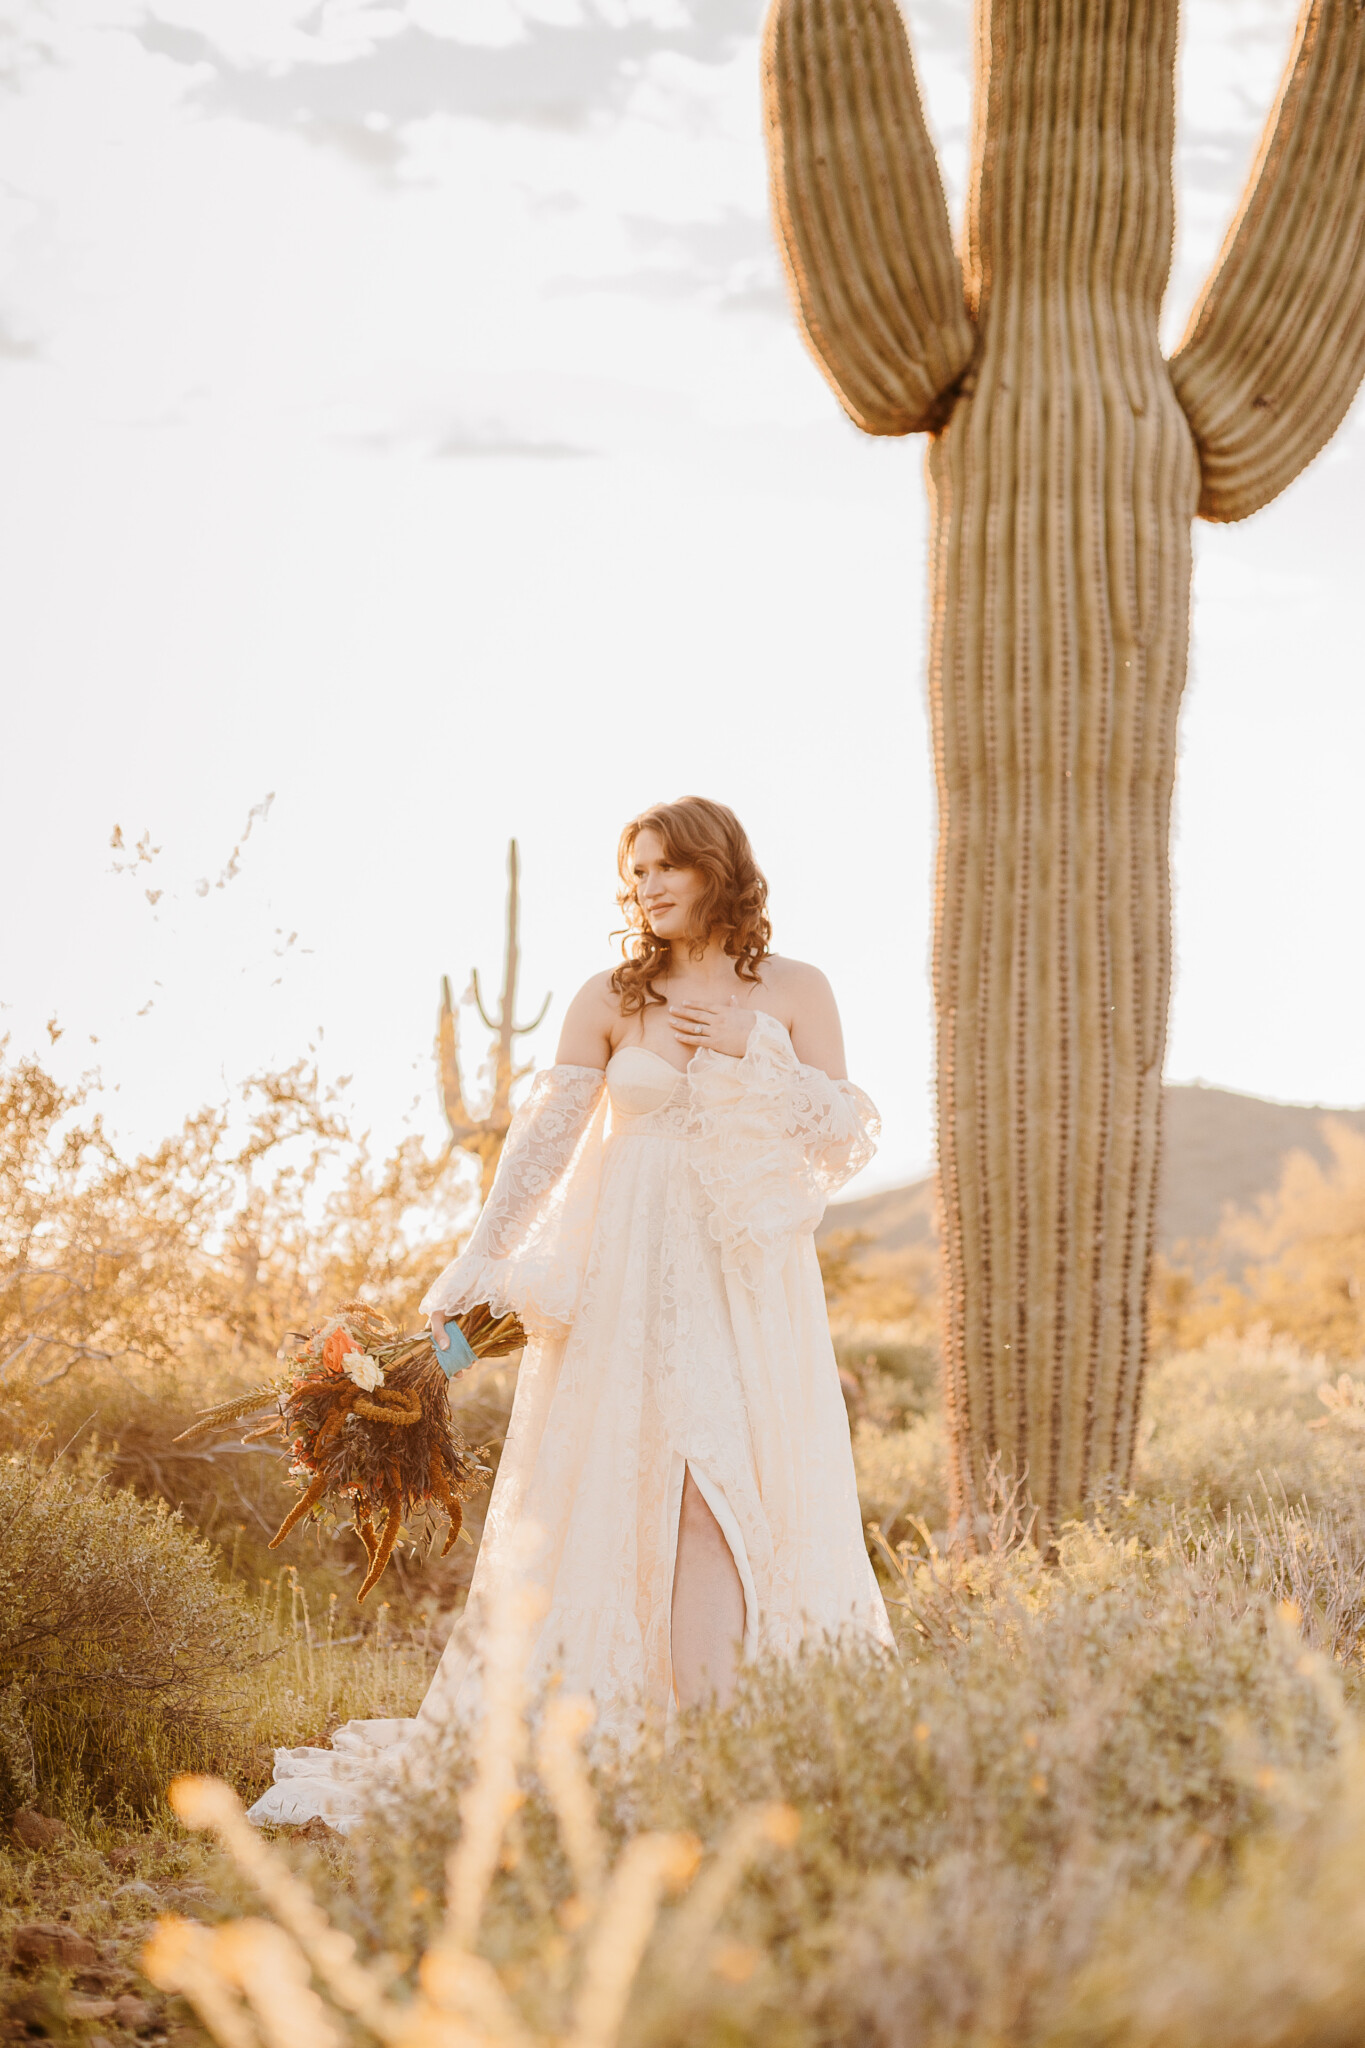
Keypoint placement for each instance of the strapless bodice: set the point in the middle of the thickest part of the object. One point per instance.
(640, 1081)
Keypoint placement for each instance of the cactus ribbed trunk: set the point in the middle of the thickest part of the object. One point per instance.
(1063, 490)
(1067, 466)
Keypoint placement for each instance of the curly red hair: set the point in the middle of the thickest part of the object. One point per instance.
(695, 833)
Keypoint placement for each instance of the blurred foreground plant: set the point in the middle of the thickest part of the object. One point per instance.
(251, 1980)
(1066, 1761)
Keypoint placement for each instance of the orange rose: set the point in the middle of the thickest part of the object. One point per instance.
(336, 1348)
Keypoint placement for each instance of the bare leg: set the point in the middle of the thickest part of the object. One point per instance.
(708, 1606)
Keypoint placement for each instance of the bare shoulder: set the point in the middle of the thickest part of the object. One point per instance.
(802, 996)
(796, 981)
(589, 1021)
(597, 989)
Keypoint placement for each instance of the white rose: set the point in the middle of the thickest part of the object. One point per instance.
(364, 1370)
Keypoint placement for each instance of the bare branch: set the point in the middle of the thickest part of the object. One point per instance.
(1275, 348)
(16, 1355)
(78, 1352)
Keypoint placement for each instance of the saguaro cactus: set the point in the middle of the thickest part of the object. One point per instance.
(484, 1135)
(1066, 462)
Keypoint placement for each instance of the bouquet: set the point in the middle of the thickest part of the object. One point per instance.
(365, 1412)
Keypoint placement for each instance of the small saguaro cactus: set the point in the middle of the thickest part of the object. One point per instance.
(1066, 463)
(484, 1135)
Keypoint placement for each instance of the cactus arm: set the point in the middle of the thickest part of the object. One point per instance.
(1275, 348)
(522, 1030)
(461, 1124)
(860, 214)
(484, 1018)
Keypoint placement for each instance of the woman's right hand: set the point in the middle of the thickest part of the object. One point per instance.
(437, 1325)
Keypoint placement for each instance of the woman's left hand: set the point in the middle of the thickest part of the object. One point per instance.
(707, 1025)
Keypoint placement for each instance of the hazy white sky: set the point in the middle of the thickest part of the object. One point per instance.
(401, 415)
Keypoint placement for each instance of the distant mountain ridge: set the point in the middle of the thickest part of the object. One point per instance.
(1221, 1150)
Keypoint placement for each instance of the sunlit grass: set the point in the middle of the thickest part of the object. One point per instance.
(320, 1669)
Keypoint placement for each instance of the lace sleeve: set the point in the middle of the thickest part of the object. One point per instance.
(776, 1140)
(529, 1245)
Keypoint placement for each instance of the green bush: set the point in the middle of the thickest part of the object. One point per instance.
(122, 1655)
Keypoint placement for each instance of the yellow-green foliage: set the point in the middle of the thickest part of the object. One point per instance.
(122, 1655)
(901, 1475)
(874, 1288)
(126, 1657)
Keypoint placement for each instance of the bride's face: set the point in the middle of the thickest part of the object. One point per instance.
(667, 894)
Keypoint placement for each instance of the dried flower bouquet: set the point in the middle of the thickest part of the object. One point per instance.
(365, 1412)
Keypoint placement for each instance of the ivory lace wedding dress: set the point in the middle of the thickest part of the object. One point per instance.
(654, 1231)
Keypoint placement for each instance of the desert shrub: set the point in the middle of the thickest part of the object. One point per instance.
(902, 1476)
(891, 1378)
(1056, 1742)
(1221, 1420)
(970, 1948)
(1273, 1960)
(1031, 1700)
(234, 1496)
(1309, 1561)
(194, 1257)
(871, 1287)
(1293, 1266)
(1305, 1249)
(136, 1291)
(122, 1656)
(891, 1387)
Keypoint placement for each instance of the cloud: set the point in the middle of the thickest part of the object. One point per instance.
(553, 76)
(462, 440)
(729, 261)
(463, 443)
(16, 347)
(372, 144)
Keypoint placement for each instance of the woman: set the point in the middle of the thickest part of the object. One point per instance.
(677, 1477)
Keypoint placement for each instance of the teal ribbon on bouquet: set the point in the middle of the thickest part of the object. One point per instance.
(457, 1356)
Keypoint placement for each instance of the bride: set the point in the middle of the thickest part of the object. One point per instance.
(677, 1479)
